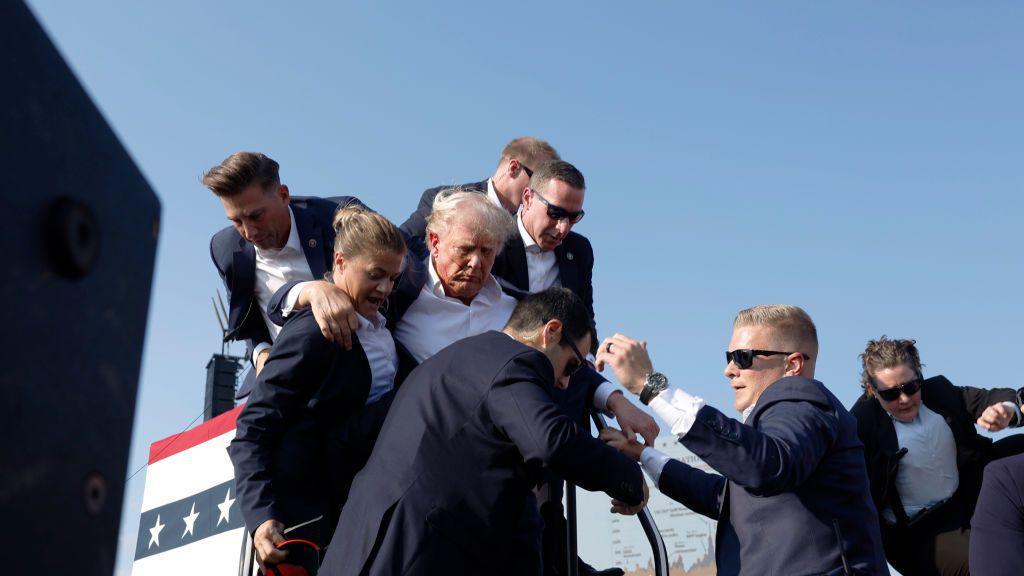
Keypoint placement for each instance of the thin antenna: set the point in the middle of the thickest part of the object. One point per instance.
(221, 320)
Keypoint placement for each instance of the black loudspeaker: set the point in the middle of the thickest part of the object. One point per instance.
(78, 239)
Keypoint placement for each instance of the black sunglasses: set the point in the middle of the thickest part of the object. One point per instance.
(744, 357)
(557, 212)
(529, 173)
(892, 394)
(571, 369)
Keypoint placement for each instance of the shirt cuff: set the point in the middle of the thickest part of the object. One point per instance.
(257, 350)
(677, 408)
(653, 462)
(1016, 410)
(601, 396)
(288, 306)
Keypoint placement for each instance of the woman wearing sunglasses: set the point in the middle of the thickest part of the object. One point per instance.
(924, 455)
(311, 420)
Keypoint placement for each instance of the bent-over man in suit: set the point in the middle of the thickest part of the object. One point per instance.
(545, 251)
(924, 456)
(448, 488)
(791, 494)
(997, 529)
(504, 188)
(274, 238)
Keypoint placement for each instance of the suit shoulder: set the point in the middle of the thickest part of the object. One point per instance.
(430, 193)
(301, 330)
(224, 242)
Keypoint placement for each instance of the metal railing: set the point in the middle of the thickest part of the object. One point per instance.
(660, 554)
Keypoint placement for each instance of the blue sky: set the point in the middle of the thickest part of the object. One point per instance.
(861, 160)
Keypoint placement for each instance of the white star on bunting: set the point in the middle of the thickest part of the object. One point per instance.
(190, 521)
(154, 533)
(225, 508)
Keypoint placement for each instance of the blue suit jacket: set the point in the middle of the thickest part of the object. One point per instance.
(305, 432)
(448, 489)
(575, 258)
(235, 259)
(789, 473)
(997, 529)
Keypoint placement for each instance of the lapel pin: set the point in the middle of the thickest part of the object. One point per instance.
(312, 242)
(568, 255)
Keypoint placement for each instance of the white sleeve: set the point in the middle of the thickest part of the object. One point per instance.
(288, 306)
(1016, 410)
(653, 462)
(677, 408)
(601, 396)
(257, 350)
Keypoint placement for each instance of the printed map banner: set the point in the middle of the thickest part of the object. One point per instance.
(190, 522)
(607, 539)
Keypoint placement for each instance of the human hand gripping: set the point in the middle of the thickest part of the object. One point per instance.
(333, 311)
(265, 540)
(628, 358)
(632, 419)
(620, 507)
(996, 417)
(625, 443)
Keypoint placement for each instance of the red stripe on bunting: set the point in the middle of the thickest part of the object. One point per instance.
(191, 438)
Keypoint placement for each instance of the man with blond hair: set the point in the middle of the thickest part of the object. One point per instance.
(791, 494)
(504, 188)
(925, 457)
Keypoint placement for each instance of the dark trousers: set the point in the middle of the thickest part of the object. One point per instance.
(937, 543)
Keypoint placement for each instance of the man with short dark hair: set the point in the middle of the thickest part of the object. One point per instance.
(546, 252)
(791, 496)
(273, 239)
(505, 187)
(924, 456)
(447, 489)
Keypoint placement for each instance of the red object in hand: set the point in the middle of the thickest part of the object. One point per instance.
(303, 559)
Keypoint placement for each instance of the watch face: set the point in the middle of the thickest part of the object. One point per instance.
(657, 380)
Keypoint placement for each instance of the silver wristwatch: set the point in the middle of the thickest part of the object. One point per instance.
(655, 384)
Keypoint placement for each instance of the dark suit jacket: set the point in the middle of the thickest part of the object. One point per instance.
(448, 487)
(235, 259)
(575, 259)
(997, 529)
(960, 407)
(415, 227)
(304, 432)
(792, 470)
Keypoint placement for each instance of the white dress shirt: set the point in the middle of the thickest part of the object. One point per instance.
(435, 320)
(677, 409)
(379, 347)
(541, 266)
(927, 472)
(275, 268)
(493, 194)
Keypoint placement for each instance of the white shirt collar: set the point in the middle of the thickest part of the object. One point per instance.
(293, 239)
(489, 292)
(528, 242)
(376, 322)
(748, 411)
(493, 194)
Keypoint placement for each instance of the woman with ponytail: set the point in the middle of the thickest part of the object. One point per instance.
(310, 423)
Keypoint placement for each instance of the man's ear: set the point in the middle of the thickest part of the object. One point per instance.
(551, 335)
(433, 240)
(282, 192)
(795, 364)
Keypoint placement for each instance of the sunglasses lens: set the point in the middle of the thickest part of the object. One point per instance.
(911, 388)
(890, 394)
(742, 358)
